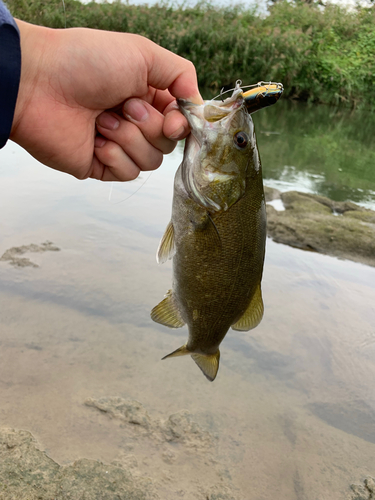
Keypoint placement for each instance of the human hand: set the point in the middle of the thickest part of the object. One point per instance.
(75, 82)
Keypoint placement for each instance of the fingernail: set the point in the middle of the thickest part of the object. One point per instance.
(108, 121)
(177, 135)
(196, 99)
(99, 142)
(135, 110)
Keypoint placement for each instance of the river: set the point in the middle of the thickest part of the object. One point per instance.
(291, 414)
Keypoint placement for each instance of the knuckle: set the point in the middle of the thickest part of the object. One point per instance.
(190, 66)
(108, 153)
(132, 133)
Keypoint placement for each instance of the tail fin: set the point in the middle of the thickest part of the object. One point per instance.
(208, 363)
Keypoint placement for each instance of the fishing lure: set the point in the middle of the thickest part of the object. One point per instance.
(260, 95)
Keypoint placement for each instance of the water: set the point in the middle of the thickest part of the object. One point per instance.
(319, 149)
(292, 411)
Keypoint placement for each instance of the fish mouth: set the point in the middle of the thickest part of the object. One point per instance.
(199, 115)
(207, 121)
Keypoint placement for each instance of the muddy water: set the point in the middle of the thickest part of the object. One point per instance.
(292, 411)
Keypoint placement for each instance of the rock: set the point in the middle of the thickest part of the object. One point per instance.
(127, 410)
(26, 473)
(181, 427)
(12, 255)
(359, 492)
(271, 194)
(178, 428)
(363, 491)
(221, 493)
(370, 484)
(310, 222)
(220, 496)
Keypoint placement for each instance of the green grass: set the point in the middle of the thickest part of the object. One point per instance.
(319, 55)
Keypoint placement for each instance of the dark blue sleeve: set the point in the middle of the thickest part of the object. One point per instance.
(10, 71)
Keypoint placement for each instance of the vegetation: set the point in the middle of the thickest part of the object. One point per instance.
(319, 54)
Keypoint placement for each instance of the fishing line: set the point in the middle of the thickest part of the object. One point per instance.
(239, 85)
(130, 195)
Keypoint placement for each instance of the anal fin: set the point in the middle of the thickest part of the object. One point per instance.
(166, 312)
(181, 351)
(253, 314)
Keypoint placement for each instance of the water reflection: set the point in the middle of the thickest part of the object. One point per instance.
(319, 149)
(290, 396)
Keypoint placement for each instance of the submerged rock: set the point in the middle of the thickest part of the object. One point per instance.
(12, 255)
(127, 410)
(180, 427)
(365, 491)
(26, 473)
(316, 223)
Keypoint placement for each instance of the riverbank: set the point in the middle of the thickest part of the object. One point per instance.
(320, 55)
(316, 223)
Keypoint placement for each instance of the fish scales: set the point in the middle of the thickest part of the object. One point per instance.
(216, 282)
(217, 231)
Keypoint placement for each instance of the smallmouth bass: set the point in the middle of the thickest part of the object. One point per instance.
(217, 232)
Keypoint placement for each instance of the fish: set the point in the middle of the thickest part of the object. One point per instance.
(217, 231)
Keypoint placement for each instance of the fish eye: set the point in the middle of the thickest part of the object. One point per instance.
(240, 139)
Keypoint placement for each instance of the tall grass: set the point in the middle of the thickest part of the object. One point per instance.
(319, 55)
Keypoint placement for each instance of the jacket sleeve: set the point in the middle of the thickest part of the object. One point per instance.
(10, 71)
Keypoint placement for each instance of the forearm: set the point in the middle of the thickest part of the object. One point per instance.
(10, 71)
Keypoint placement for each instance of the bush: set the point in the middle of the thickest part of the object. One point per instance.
(320, 55)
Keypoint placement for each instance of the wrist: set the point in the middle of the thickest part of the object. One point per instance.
(34, 49)
(10, 67)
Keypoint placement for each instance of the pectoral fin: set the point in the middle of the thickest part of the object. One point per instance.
(253, 314)
(213, 234)
(166, 248)
(166, 313)
(206, 230)
(208, 363)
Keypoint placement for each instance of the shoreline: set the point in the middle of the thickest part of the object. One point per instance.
(318, 224)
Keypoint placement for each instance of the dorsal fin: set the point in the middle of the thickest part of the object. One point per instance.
(166, 248)
(253, 314)
(166, 312)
